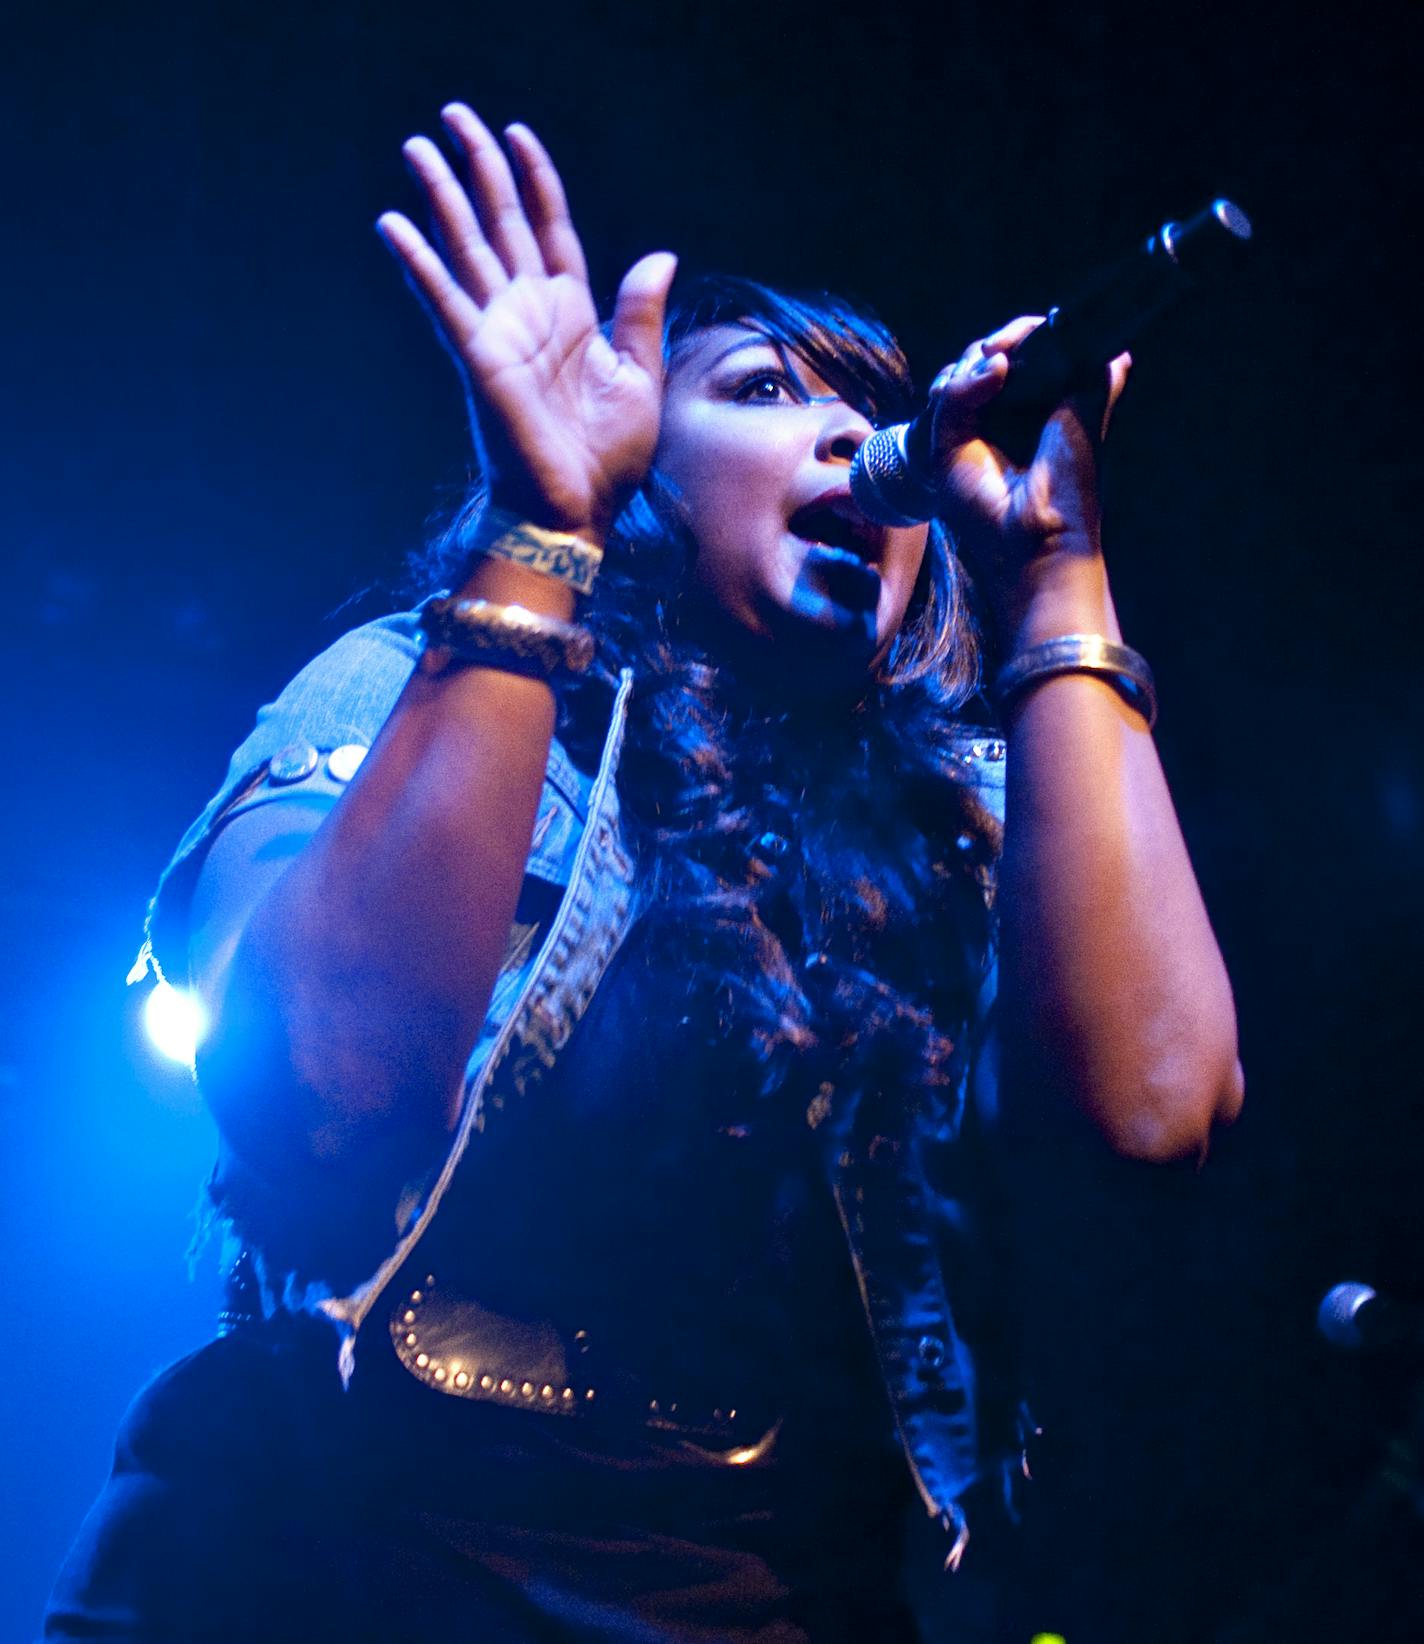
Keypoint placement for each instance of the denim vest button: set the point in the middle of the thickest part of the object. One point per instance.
(293, 763)
(345, 761)
(931, 1352)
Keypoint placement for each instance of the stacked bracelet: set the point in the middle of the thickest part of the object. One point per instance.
(507, 637)
(1122, 668)
(558, 554)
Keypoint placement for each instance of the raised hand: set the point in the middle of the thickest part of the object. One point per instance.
(565, 420)
(1017, 524)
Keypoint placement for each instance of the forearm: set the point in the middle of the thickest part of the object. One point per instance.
(1114, 990)
(355, 989)
(349, 984)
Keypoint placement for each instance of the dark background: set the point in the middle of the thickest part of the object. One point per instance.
(225, 416)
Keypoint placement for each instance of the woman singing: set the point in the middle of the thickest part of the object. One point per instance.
(610, 963)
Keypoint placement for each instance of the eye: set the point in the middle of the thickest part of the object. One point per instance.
(766, 388)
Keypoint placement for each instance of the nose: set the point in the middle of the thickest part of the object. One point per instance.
(842, 433)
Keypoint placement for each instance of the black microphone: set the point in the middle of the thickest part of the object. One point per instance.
(890, 477)
(1355, 1316)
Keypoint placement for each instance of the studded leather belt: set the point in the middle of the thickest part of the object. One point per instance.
(457, 1347)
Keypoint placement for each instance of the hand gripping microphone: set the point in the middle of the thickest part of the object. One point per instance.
(890, 477)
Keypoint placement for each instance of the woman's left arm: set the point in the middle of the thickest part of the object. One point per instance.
(1112, 987)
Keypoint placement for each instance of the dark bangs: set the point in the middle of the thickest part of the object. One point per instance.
(847, 346)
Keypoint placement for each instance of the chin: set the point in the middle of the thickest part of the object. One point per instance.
(823, 639)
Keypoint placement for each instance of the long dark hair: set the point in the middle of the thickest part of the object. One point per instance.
(816, 886)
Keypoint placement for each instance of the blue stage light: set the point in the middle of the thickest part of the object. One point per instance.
(175, 1022)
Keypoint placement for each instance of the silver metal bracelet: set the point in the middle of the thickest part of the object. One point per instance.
(1123, 668)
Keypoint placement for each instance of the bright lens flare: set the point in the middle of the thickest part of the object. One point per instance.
(175, 1022)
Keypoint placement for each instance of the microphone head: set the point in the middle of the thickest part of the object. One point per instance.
(883, 481)
(1336, 1318)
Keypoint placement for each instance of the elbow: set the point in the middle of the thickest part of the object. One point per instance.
(294, 1134)
(294, 1088)
(1169, 1116)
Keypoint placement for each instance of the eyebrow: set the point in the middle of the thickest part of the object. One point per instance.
(787, 355)
(760, 340)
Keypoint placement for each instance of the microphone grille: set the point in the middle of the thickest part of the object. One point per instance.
(883, 483)
(1336, 1316)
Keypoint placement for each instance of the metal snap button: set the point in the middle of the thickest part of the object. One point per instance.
(932, 1352)
(292, 763)
(345, 761)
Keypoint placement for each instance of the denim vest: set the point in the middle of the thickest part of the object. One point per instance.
(308, 744)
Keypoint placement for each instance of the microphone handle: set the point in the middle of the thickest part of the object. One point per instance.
(1067, 354)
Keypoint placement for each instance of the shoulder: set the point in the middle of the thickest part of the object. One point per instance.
(304, 748)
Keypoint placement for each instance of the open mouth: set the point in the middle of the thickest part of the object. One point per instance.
(842, 549)
(837, 524)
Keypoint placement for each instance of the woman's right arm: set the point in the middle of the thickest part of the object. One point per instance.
(347, 957)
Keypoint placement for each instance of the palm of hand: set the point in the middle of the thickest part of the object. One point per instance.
(559, 413)
(566, 420)
(1024, 509)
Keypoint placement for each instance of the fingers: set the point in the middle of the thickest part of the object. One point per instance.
(508, 222)
(453, 311)
(546, 205)
(1094, 407)
(1117, 381)
(963, 389)
(972, 380)
(496, 195)
(1010, 335)
(639, 309)
(457, 228)
(513, 220)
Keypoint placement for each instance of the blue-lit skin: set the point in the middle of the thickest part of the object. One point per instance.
(750, 437)
(326, 1048)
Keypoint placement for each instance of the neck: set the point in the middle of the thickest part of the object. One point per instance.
(804, 675)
